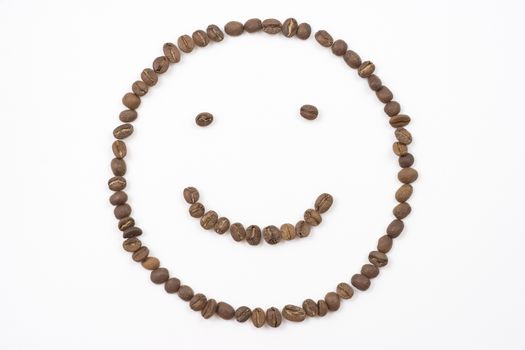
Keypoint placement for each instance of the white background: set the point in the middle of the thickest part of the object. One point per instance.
(455, 277)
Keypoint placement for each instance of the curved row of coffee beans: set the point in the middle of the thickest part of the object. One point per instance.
(253, 234)
(198, 302)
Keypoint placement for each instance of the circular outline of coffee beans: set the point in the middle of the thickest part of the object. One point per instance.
(199, 302)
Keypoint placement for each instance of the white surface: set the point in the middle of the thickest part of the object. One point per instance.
(455, 277)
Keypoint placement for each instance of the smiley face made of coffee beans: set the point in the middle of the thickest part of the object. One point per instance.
(272, 316)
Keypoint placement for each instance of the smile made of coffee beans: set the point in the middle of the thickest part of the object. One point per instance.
(272, 316)
(253, 234)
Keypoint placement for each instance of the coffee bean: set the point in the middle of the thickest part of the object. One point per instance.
(128, 115)
(310, 307)
(126, 223)
(161, 64)
(271, 26)
(399, 120)
(118, 166)
(395, 228)
(302, 229)
(309, 112)
(374, 82)
(238, 232)
(403, 136)
(119, 149)
(149, 76)
(294, 313)
(290, 27)
(352, 59)
(141, 254)
(333, 302)
(378, 259)
(243, 314)
(122, 211)
(253, 235)
(339, 47)
(406, 160)
(200, 38)
(403, 193)
(384, 94)
(132, 232)
(185, 43)
(344, 290)
(171, 52)
(369, 271)
(323, 203)
(288, 231)
(392, 108)
(172, 285)
(225, 311)
(407, 175)
(139, 88)
(191, 195)
(324, 38)
(222, 225)
(273, 317)
(214, 33)
(151, 263)
(258, 317)
(131, 244)
(234, 28)
(196, 210)
(312, 217)
(322, 308)
(131, 100)
(122, 131)
(204, 119)
(119, 197)
(402, 210)
(160, 275)
(253, 25)
(361, 282)
(366, 69)
(209, 219)
(209, 309)
(185, 293)
(384, 244)
(198, 302)
(399, 148)
(117, 183)
(304, 31)
(272, 235)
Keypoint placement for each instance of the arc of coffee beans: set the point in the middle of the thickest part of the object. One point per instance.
(199, 302)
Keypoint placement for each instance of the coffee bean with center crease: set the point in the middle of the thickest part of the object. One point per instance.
(161, 64)
(151, 263)
(214, 33)
(403, 193)
(339, 47)
(323, 203)
(406, 160)
(288, 231)
(289, 28)
(209, 309)
(225, 311)
(131, 244)
(128, 115)
(119, 149)
(141, 254)
(243, 314)
(304, 31)
(272, 235)
(374, 82)
(198, 302)
(191, 195)
(126, 223)
(273, 317)
(258, 317)
(361, 282)
(378, 259)
(392, 108)
(171, 52)
(312, 217)
(253, 25)
(118, 166)
(310, 307)
(196, 210)
(234, 28)
(403, 136)
(222, 225)
(122, 131)
(370, 271)
(253, 235)
(399, 120)
(402, 210)
(407, 175)
(204, 119)
(185, 293)
(185, 43)
(366, 69)
(384, 244)
(395, 228)
(384, 94)
(322, 308)
(119, 197)
(237, 232)
(333, 302)
(200, 38)
(324, 38)
(172, 285)
(399, 148)
(122, 211)
(209, 219)
(309, 112)
(344, 290)
(139, 88)
(302, 229)
(149, 76)
(294, 313)
(132, 232)
(117, 183)
(160, 275)
(131, 100)
(271, 26)
(352, 59)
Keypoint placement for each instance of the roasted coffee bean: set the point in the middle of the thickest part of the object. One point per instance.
(361, 282)
(126, 223)
(234, 28)
(384, 244)
(185, 43)
(344, 290)
(185, 293)
(128, 115)
(378, 259)
(204, 119)
(253, 25)
(139, 88)
(324, 38)
(238, 232)
(407, 175)
(310, 308)
(191, 195)
(304, 31)
(243, 314)
(312, 217)
(132, 232)
(131, 100)
(172, 285)
(118, 166)
(149, 76)
(403, 136)
(399, 148)
(225, 311)
(214, 33)
(403, 193)
(209, 219)
(399, 120)
(122, 131)
(272, 235)
(160, 275)
(339, 47)
(271, 26)
(392, 108)
(171, 52)
(200, 38)
(402, 210)
(294, 313)
(333, 302)
(198, 302)
(119, 149)
(323, 203)
(141, 254)
(395, 228)
(369, 271)
(117, 183)
(273, 317)
(290, 27)
(222, 225)
(132, 244)
(253, 235)
(258, 317)
(288, 231)
(151, 263)
(209, 309)
(161, 64)
(119, 197)
(196, 210)
(406, 160)
(384, 94)
(366, 69)
(352, 59)
(309, 112)
(302, 229)
(374, 82)
(322, 308)
(122, 211)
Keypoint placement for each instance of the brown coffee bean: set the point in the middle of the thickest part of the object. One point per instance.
(402, 210)
(185, 293)
(378, 259)
(214, 33)
(204, 119)
(139, 88)
(119, 197)
(360, 282)
(352, 59)
(294, 313)
(131, 100)
(339, 47)
(209, 219)
(117, 183)
(185, 43)
(131, 244)
(271, 26)
(171, 52)
(222, 225)
(312, 217)
(407, 175)
(406, 160)
(253, 25)
(128, 115)
(198, 302)
(161, 64)
(333, 302)
(288, 231)
(273, 317)
(384, 244)
(322, 308)
(253, 235)
(132, 232)
(324, 38)
(392, 108)
(172, 285)
(122, 211)
(374, 82)
(200, 38)
(234, 28)
(302, 229)
(323, 203)
(141, 254)
(149, 76)
(209, 309)
(290, 27)
(225, 311)
(191, 195)
(366, 69)
(310, 307)
(272, 235)
(160, 275)
(403, 193)
(399, 148)
(399, 120)
(403, 136)
(196, 210)
(309, 112)
(370, 271)
(395, 228)
(119, 149)
(344, 290)
(258, 317)
(126, 223)
(384, 94)
(237, 232)
(304, 31)
(151, 263)
(243, 314)
(118, 166)
(122, 131)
